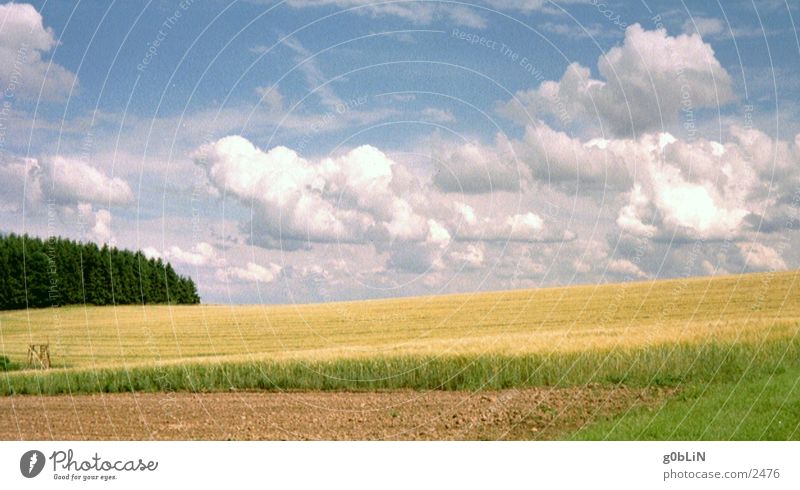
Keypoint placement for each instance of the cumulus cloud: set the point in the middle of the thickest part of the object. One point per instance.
(706, 189)
(348, 199)
(61, 180)
(633, 217)
(470, 258)
(644, 85)
(471, 167)
(360, 198)
(695, 207)
(285, 190)
(760, 257)
(98, 223)
(558, 158)
(67, 180)
(23, 42)
(663, 193)
(417, 258)
(590, 255)
(200, 255)
(626, 268)
(252, 272)
(438, 234)
(151, 253)
(521, 227)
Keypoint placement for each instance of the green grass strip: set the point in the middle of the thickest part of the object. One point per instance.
(753, 408)
(666, 365)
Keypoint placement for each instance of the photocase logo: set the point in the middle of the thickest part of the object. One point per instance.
(31, 463)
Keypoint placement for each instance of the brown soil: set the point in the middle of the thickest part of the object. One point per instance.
(543, 413)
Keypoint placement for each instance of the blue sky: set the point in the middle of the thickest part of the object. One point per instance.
(317, 150)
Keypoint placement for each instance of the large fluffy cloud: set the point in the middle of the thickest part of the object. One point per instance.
(68, 180)
(472, 167)
(23, 42)
(761, 257)
(659, 192)
(363, 198)
(645, 84)
(709, 190)
(557, 158)
(349, 199)
(98, 223)
(660, 189)
(61, 180)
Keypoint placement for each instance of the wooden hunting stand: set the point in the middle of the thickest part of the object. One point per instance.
(39, 355)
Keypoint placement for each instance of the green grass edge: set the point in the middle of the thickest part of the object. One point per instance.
(664, 365)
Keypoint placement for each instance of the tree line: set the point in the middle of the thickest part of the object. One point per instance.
(36, 273)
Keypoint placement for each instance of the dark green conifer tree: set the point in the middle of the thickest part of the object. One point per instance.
(37, 273)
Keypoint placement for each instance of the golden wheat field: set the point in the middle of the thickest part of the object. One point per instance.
(742, 308)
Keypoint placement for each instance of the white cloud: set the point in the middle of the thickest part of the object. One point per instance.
(657, 188)
(695, 207)
(359, 198)
(151, 253)
(761, 257)
(470, 258)
(102, 226)
(706, 189)
(438, 234)
(428, 12)
(558, 158)
(645, 84)
(22, 24)
(709, 27)
(699, 189)
(418, 258)
(524, 226)
(202, 254)
(23, 41)
(632, 216)
(68, 180)
(625, 267)
(715, 28)
(98, 222)
(284, 188)
(521, 227)
(416, 12)
(525, 267)
(473, 168)
(347, 199)
(62, 180)
(251, 273)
